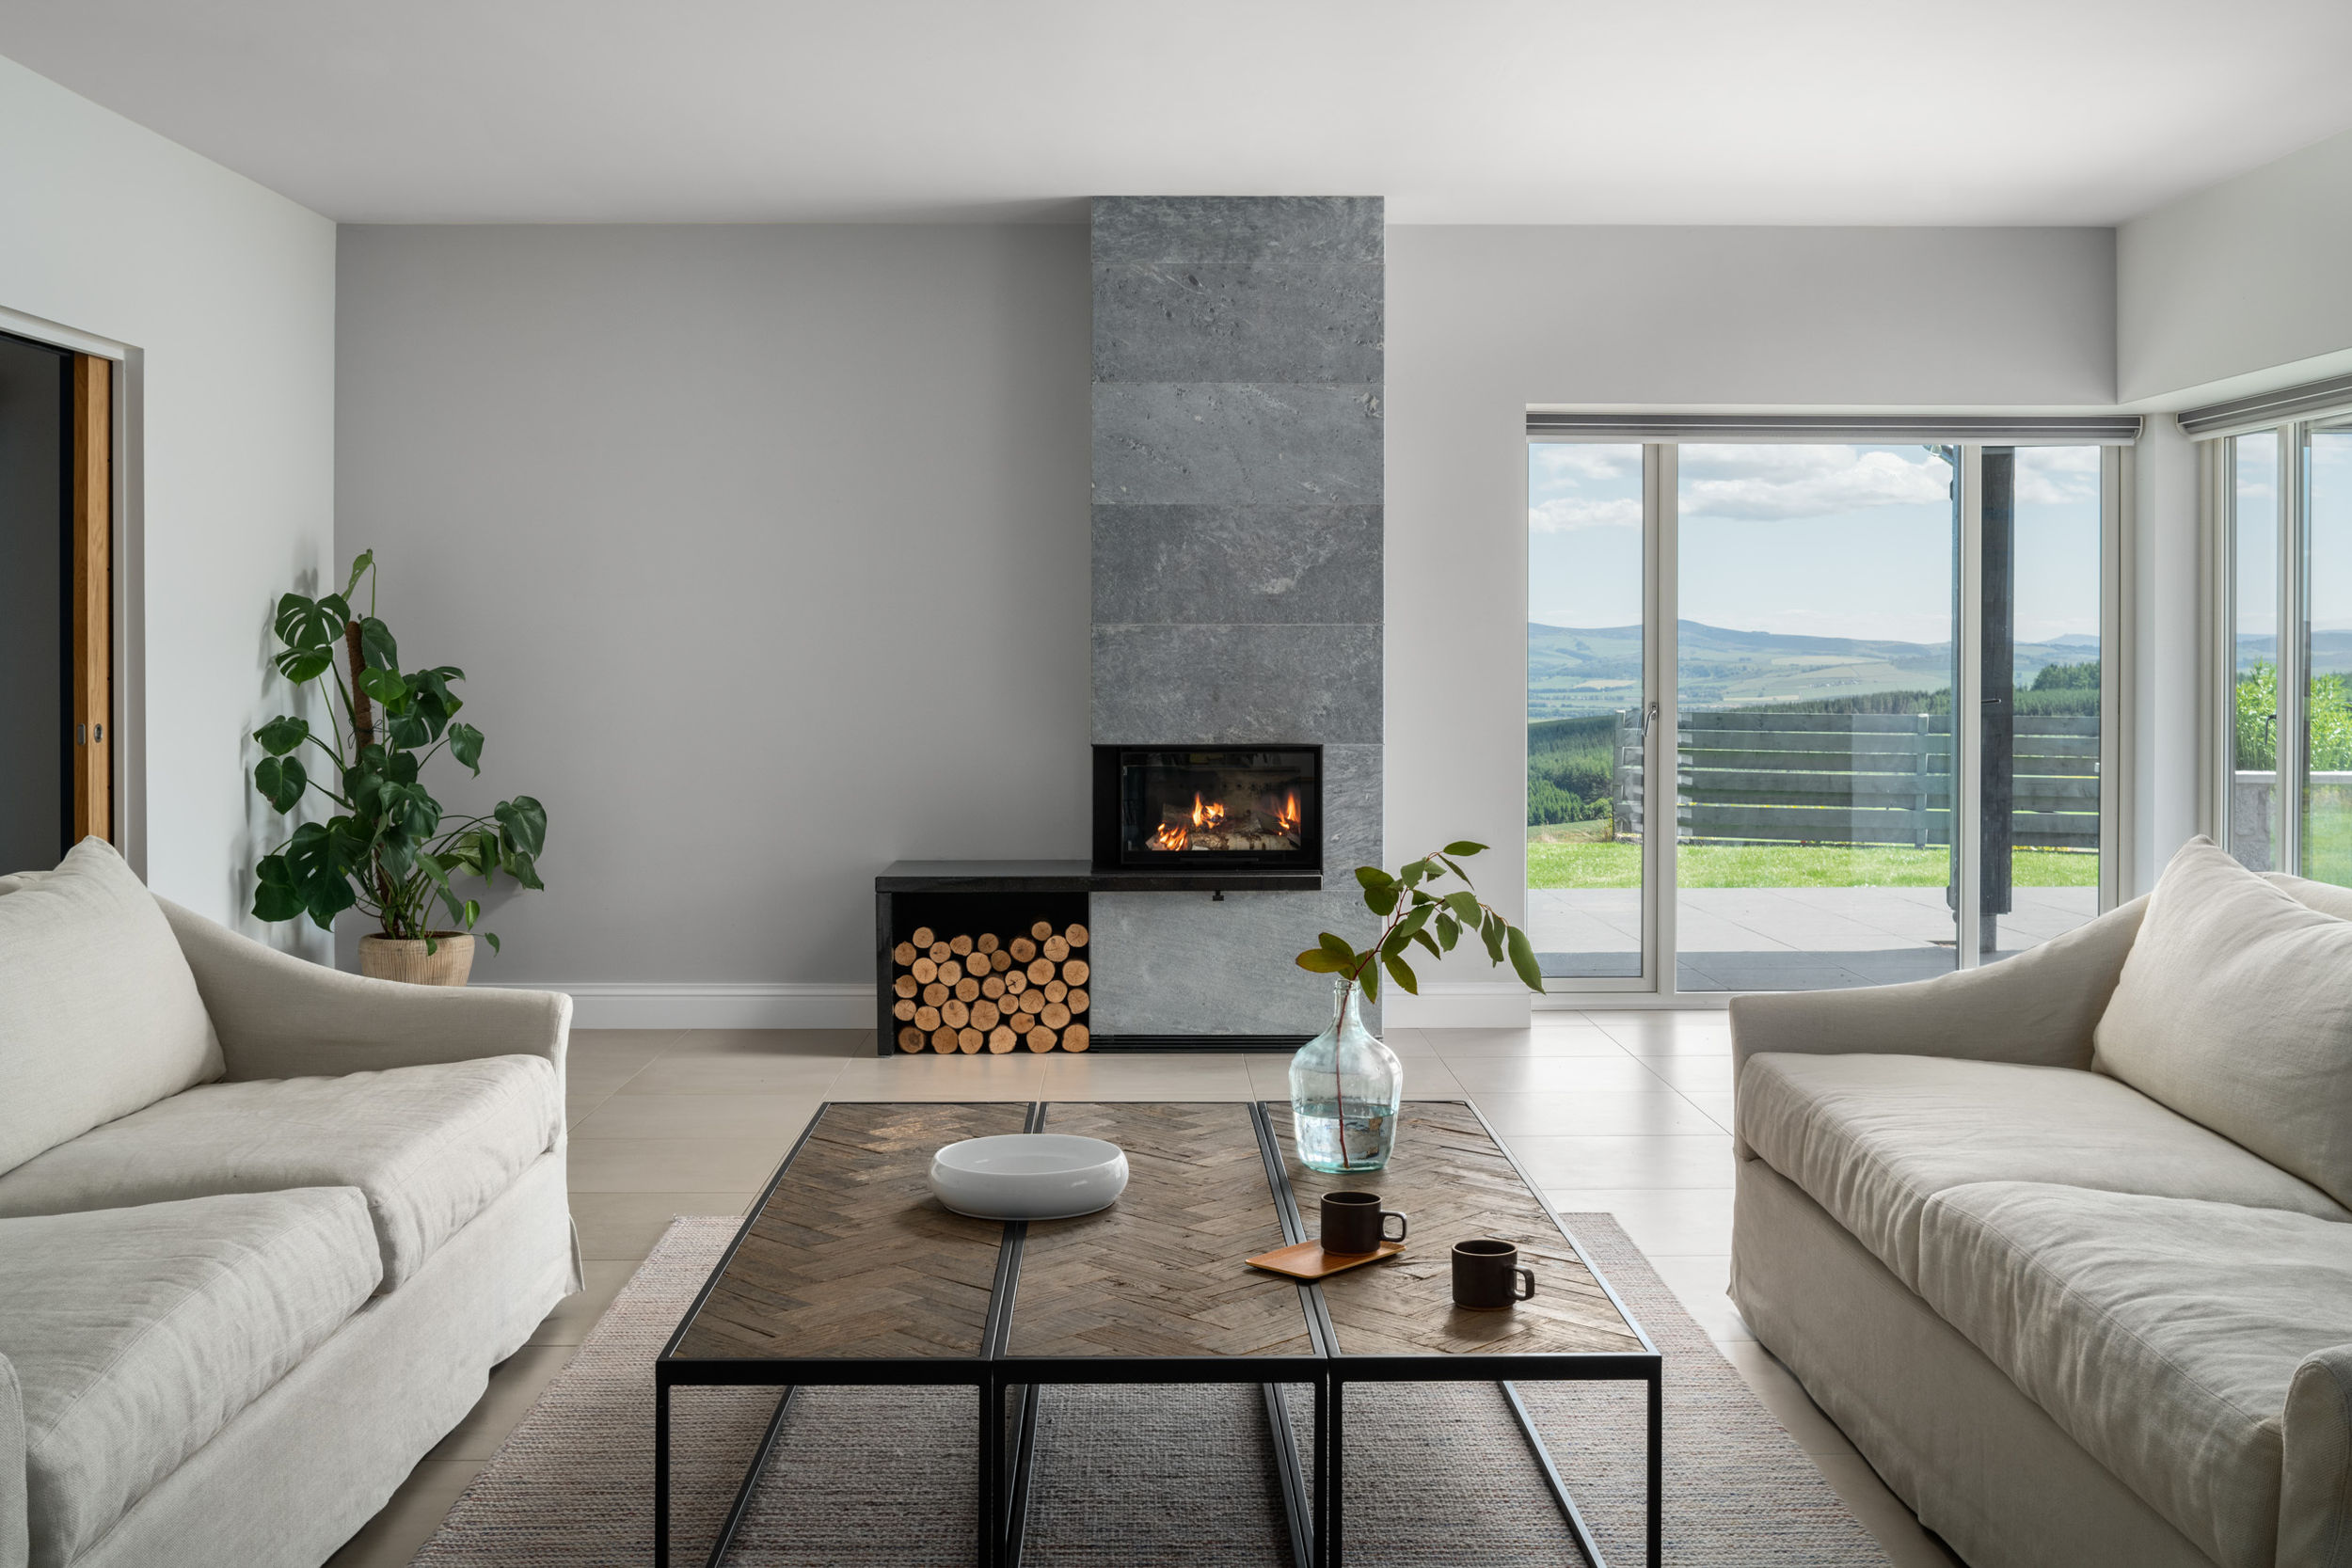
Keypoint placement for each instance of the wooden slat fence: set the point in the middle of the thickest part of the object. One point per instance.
(1856, 778)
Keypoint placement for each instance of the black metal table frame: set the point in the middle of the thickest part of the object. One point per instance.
(1312, 1502)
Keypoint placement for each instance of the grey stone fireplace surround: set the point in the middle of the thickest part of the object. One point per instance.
(1237, 555)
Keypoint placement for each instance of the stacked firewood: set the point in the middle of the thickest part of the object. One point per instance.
(965, 992)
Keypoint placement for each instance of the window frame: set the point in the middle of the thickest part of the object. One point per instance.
(1662, 439)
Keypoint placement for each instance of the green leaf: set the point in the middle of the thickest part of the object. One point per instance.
(409, 810)
(465, 744)
(1490, 932)
(305, 664)
(1465, 846)
(1412, 874)
(360, 565)
(275, 897)
(1423, 937)
(1370, 981)
(492, 938)
(311, 624)
(377, 650)
(1523, 959)
(1402, 972)
(384, 685)
(1449, 931)
(523, 869)
(1372, 876)
(1455, 869)
(1337, 948)
(1316, 961)
(330, 899)
(1380, 900)
(282, 735)
(471, 912)
(522, 825)
(1465, 905)
(281, 781)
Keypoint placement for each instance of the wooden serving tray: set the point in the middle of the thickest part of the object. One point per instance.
(1308, 1260)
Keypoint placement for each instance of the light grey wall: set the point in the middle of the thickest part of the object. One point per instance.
(1485, 322)
(2239, 288)
(220, 298)
(1237, 565)
(764, 550)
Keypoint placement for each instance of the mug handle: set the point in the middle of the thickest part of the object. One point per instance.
(1402, 1225)
(1528, 1275)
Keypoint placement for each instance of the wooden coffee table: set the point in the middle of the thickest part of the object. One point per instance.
(847, 1272)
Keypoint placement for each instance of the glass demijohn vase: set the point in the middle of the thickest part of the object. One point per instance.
(1345, 1088)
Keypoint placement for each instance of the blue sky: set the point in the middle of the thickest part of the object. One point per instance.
(1813, 540)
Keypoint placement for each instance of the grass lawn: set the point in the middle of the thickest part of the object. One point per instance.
(1564, 862)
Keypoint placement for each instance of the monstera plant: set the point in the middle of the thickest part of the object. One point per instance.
(388, 849)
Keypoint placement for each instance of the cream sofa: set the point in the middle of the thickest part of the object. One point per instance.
(265, 1227)
(2062, 1244)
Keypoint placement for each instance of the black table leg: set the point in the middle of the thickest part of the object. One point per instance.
(742, 1503)
(1021, 1455)
(990, 1502)
(661, 1471)
(1657, 1465)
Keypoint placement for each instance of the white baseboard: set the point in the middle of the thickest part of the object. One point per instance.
(1457, 1004)
(711, 1004)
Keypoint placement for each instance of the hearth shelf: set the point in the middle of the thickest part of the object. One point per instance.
(1081, 877)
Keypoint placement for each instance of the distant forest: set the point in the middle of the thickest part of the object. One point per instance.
(1570, 767)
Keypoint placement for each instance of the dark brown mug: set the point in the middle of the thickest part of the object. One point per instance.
(1355, 1222)
(1486, 1273)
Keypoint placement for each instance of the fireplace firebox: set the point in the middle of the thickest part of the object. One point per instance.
(1203, 807)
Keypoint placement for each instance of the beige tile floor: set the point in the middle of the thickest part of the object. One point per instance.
(1623, 1112)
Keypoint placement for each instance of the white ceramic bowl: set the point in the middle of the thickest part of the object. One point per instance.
(1029, 1176)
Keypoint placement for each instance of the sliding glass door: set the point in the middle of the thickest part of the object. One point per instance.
(1744, 663)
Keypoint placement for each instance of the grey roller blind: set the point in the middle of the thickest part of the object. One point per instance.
(2269, 408)
(2109, 430)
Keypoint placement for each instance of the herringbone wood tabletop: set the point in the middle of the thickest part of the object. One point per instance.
(1455, 1182)
(1160, 1273)
(852, 1255)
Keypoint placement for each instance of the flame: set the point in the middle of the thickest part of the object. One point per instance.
(1288, 818)
(1170, 836)
(1207, 815)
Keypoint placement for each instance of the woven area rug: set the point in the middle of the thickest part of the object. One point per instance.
(1137, 1475)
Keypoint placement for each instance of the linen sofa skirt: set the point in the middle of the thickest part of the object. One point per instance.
(301, 1468)
(1981, 1464)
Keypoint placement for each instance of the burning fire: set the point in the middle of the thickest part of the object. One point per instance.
(1207, 817)
(1170, 836)
(1287, 819)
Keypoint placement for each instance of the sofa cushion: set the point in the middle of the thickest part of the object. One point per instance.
(1872, 1138)
(99, 1015)
(430, 1147)
(2234, 1008)
(2162, 1333)
(137, 1334)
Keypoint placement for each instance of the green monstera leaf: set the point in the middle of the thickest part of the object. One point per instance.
(281, 781)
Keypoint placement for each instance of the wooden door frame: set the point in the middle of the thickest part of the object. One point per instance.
(92, 594)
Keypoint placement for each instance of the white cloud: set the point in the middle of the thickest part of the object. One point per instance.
(1559, 461)
(1569, 512)
(2057, 476)
(1770, 483)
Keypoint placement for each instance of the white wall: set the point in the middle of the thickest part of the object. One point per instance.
(764, 550)
(1483, 321)
(225, 295)
(2239, 288)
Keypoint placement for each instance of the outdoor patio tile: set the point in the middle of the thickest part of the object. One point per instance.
(1680, 1160)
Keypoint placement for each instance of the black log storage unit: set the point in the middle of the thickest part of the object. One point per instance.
(974, 895)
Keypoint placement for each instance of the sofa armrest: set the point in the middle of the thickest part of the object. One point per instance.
(16, 1544)
(2316, 1485)
(281, 1017)
(2038, 1008)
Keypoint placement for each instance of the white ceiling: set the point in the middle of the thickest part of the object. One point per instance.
(1458, 111)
